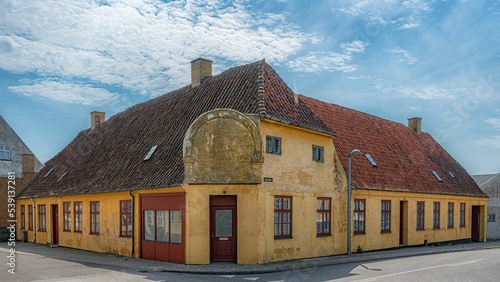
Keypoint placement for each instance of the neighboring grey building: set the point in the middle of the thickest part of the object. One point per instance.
(15, 157)
(490, 184)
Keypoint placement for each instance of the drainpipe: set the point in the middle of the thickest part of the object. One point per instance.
(133, 221)
(33, 218)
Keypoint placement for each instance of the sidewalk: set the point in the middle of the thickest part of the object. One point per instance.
(142, 265)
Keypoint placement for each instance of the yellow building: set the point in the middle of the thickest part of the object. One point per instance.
(232, 168)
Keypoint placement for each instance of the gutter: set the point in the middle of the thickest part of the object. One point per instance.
(33, 219)
(133, 222)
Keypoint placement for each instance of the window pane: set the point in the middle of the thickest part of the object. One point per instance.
(176, 226)
(277, 203)
(319, 223)
(223, 223)
(286, 217)
(149, 225)
(162, 226)
(286, 203)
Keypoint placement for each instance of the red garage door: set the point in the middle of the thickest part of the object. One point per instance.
(162, 227)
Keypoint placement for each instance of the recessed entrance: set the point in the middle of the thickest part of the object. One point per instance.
(223, 233)
(475, 224)
(55, 225)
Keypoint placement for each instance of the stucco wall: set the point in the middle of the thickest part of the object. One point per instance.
(108, 240)
(493, 228)
(373, 238)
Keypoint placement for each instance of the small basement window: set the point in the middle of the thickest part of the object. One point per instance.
(491, 217)
(371, 160)
(273, 145)
(437, 176)
(318, 153)
(150, 153)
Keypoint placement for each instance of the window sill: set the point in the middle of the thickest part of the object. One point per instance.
(283, 237)
(96, 234)
(463, 227)
(66, 230)
(42, 230)
(125, 236)
(324, 235)
(451, 227)
(77, 231)
(436, 228)
(360, 233)
(385, 232)
(420, 229)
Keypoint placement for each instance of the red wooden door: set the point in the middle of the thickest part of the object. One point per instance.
(55, 225)
(162, 227)
(223, 228)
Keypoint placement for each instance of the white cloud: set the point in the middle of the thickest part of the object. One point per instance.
(403, 14)
(429, 92)
(493, 142)
(406, 56)
(330, 61)
(66, 93)
(495, 122)
(144, 46)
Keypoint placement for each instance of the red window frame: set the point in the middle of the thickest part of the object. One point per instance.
(77, 208)
(67, 216)
(359, 216)
(42, 218)
(30, 217)
(420, 215)
(282, 217)
(94, 218)
(385, 216)
(126, 218)
(323, 222)
(451, 208)
(462, 214)
(23, 217)
(436, 210)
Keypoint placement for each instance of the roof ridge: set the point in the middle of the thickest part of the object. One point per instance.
(261, 104)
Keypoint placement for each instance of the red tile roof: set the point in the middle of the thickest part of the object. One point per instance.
(405, 160)
(111, 157)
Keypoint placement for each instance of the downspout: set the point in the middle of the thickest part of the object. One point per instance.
(33, 209)
(133, 221)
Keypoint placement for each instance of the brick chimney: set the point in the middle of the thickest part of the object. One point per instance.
(200, 68)
(416, 124)
(96, 118)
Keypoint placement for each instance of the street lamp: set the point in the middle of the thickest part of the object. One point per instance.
(353, 152)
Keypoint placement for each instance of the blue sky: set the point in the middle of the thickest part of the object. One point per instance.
(439, 60)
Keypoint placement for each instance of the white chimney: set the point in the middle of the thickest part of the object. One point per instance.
(200, 69)
(416, 124)
(96, 118)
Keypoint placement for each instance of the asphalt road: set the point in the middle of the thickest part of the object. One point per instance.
(479, 265)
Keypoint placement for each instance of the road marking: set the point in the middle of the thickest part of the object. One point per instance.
(420, 269)
(227, 276)
(251, 279)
